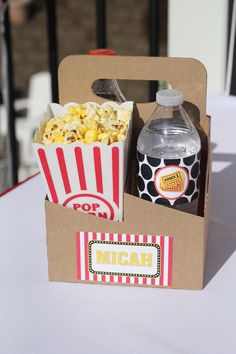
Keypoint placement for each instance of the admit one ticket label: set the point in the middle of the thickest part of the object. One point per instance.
(124, 258)
(172, 182)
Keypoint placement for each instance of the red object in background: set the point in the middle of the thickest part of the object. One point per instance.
(102, 51)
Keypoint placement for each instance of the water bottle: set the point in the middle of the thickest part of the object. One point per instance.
(107, 88)
(168, 154)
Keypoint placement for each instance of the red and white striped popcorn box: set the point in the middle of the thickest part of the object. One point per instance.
(86, 177)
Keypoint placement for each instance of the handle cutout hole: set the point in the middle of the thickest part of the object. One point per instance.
(130, 90)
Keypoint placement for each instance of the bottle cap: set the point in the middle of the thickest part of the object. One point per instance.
(102, 51)
(169, 97)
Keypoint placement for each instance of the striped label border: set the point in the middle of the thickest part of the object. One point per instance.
(164, 245)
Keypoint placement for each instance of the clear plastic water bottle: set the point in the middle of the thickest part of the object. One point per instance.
(168, 153)
(107, 88)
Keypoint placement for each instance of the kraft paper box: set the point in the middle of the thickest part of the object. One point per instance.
(154, 245)
(86, 177)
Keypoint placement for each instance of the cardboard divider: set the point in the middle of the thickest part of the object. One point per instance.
(182, 252)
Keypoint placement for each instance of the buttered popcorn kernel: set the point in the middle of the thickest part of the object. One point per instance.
(88, 123)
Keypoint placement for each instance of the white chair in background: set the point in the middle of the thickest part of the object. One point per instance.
(39, 95)
(38, 99)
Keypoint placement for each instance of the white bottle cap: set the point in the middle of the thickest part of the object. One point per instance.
(169, 97)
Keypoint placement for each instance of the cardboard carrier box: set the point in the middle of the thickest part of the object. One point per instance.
(154, 245)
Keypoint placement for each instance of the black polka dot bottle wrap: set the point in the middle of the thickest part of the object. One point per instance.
(168, 181)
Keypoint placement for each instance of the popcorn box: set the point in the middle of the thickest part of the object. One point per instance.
(154, 245)
(86, 177)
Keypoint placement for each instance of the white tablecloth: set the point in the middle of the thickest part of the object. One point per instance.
(37, 316)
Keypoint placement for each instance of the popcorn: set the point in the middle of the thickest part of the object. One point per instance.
(88, 123)
(83, 155)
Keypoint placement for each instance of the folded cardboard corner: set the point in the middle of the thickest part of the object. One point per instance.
(154, 245)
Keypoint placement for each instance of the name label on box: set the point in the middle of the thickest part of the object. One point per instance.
(132, 259)
(124, 258)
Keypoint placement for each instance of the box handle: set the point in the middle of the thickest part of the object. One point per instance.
(78, 72)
